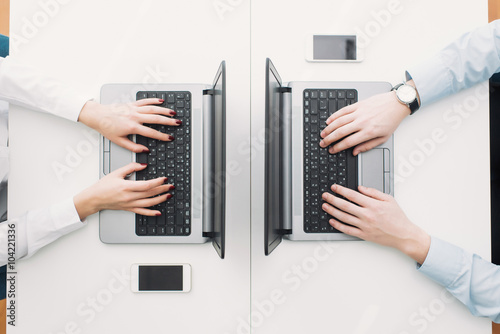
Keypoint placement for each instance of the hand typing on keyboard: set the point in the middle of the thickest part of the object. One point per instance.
(365, 124)
(375, 216)
(113, 192)
(116, 122)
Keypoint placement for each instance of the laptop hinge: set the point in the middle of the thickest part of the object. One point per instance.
(285, 231)
(208, 162)
(285, 90)
(286, 158)
(208, 234)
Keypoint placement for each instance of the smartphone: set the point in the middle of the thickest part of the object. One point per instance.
(155, 277)
(333, 48)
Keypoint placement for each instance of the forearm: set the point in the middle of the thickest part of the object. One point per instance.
(469, 60)
(25, 86)
(471, 279)
(37, 228)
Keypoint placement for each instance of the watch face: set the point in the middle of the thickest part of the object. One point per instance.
(406, 93)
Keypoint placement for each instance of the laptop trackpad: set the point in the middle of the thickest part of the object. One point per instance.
(118, 157)
(372, 169)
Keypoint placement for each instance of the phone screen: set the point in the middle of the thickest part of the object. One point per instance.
(160, 278)
(334, 47)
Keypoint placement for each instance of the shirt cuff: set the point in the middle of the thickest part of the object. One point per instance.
(431, 79)
(63, 219)
(444, 263)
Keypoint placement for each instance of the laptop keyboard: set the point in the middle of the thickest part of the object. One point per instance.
(322, 169)
(173, 160)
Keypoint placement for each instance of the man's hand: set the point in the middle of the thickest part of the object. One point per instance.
(364, 124)
(117, 121)
(375, 216)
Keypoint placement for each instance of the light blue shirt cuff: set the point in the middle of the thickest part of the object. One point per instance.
(444, 262)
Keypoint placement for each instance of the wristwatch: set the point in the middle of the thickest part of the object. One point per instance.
(407, 95)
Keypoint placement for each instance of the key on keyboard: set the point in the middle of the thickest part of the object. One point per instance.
(322, 169)
(173, 160)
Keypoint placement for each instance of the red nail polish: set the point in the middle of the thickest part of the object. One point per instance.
(172, 187)
(171, 137)
(145, 151)
(162, 100)
(143, 164)
(169, 196)
(165, 179)
(178, 122)
(158, 214)
(173, 113)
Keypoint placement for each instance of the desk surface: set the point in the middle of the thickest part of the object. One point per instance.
(353, 287)
(359, 287)
(88, 44)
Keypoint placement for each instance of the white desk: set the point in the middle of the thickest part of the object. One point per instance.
(87, 44)
(356, 287)
(359, 287)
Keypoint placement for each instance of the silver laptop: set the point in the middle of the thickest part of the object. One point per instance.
(298, 170)
(194, 163)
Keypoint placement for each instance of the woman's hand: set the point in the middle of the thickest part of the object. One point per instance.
(375, 216)
(364, 124)
(117, 121)
(113, 192)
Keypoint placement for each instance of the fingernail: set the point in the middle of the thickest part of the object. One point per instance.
(161, 100)
(322, 134)
(321, 143)
(334, 186)
(170, 137)
(169, 196)
(145, 151)
(158, 214)
(178, 122)
(173, 113)
(143, 164)
(165, 179)
(172, 187)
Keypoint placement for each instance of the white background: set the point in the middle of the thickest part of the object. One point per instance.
(361, 287)
(356, 287)
(88, 44)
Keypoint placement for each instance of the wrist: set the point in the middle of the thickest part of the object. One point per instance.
(405, 110)
(89, 114)
(416, 245)
(86, 204)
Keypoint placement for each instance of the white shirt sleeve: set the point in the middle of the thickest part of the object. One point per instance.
(471, 59)
(25, 86)
(471, 279)
(38, 228)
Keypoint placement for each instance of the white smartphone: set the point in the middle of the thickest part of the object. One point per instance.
(333, 48)
(160, 277)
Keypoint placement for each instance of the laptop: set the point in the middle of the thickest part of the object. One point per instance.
(298, 170)
(194, 163)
